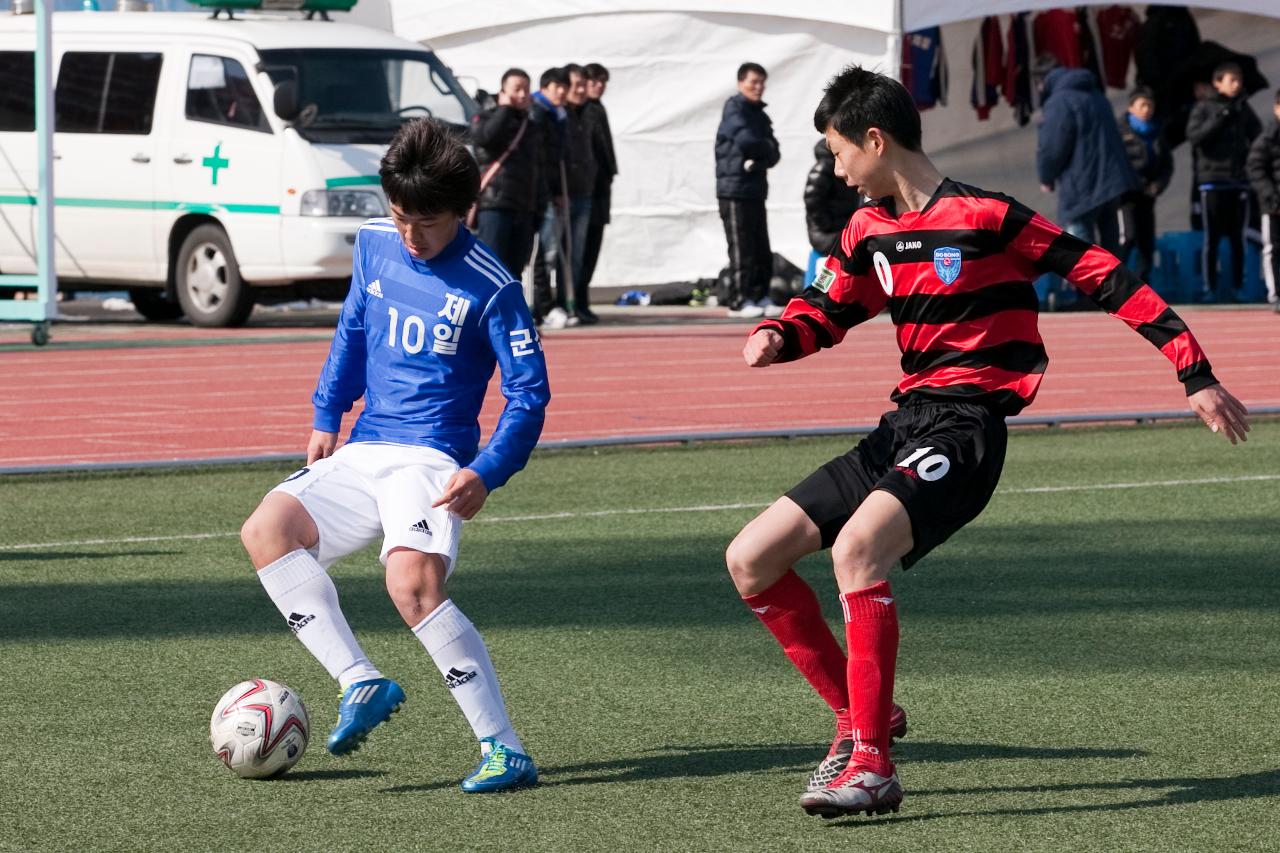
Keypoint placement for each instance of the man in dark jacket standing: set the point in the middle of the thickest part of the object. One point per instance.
(1263, 168)
(745, 150)
(1144, 142)
(1221, 127)
(508, 151)
(1079, 152)
(581, 168)
(549, 117)
(607, 166)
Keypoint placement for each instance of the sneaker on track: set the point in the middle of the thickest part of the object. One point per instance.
(365, 705)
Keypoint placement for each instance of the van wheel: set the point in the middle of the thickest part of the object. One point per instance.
(155, 305)
(207, 280)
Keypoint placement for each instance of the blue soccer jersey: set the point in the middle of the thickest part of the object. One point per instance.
(420, 339)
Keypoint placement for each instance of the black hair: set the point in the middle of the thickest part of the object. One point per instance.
(575, 68)
(513, 72)
(856, 100)
(1225, 68)
(428, 171)
(597, 72)
(553, 75)
(1142, 92)
(747, 67)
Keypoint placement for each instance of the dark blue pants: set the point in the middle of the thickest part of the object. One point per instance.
(510, 234)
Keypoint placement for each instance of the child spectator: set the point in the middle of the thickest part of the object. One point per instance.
(1144, 142)
(1220, 129)
(1263, 168)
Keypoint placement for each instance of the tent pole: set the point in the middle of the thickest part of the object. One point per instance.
(894, 43)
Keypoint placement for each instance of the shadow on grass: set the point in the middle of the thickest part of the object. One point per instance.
(323, 775)
(609, 581)
(1185, 791)
(54, 556)
(728, 759)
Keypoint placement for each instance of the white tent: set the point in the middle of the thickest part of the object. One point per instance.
(672, 65)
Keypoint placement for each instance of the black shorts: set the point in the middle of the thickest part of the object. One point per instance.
(941, 459)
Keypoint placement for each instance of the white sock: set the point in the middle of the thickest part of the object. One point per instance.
(305, 595)
(459, 653)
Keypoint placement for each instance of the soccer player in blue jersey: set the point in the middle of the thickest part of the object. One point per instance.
(430, 313)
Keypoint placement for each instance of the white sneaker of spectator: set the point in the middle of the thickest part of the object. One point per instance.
(556, 318)
(748, 309)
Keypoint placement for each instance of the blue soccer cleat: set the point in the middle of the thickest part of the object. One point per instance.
(501, 769)
(365, 706)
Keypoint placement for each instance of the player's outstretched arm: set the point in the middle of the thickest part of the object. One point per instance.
(464, 494)
(1221, 412)
(762, 348)
(321, 445)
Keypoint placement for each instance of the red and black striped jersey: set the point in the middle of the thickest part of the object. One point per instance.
(956, 277)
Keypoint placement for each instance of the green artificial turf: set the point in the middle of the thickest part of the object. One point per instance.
(1084, 669)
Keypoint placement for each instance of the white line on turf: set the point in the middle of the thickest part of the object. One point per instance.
(604, 513)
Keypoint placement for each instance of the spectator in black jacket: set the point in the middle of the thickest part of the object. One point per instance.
(1263, 169)
(828, 204)
(508, 151)
(828, 201)
(549, 117)
(1221, 128)
(607, 167)
(581, 168)
(1144, 142)
(745, 150)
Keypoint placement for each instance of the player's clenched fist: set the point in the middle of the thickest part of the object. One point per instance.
(762, 348)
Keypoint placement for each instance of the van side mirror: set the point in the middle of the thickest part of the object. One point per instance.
(285, 100)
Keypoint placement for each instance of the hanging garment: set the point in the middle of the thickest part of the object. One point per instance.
(924, 67)
(988, 67)
(1017, 88)
(1118, 35)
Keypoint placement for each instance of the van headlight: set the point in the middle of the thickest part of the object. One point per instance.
(356, 203)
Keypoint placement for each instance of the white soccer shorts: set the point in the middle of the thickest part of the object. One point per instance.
(368, 490)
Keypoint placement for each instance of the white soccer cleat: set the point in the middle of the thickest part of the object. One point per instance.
(856, 790)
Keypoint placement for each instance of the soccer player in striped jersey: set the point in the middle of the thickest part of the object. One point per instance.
(953, 265)
(429, 315)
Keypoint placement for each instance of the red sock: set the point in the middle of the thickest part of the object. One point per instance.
(871, 630)
(791, 612)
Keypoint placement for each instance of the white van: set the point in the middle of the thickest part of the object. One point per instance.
(194, 157)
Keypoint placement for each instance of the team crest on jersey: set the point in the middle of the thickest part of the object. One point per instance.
(823, 280)
(946, 263)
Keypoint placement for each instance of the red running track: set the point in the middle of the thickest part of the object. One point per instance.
(245, 398)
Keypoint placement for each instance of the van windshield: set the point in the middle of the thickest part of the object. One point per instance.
(363, 96)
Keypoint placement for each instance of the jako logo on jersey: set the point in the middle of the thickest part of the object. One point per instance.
(909, 244)
(946, 263)
(375, 288)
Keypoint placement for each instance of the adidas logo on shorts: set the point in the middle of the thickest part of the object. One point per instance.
(421, 527)
(456, 678)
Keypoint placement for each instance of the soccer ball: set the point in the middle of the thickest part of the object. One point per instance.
(259, 729)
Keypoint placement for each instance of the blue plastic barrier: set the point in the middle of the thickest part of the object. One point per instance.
(1177, 275)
